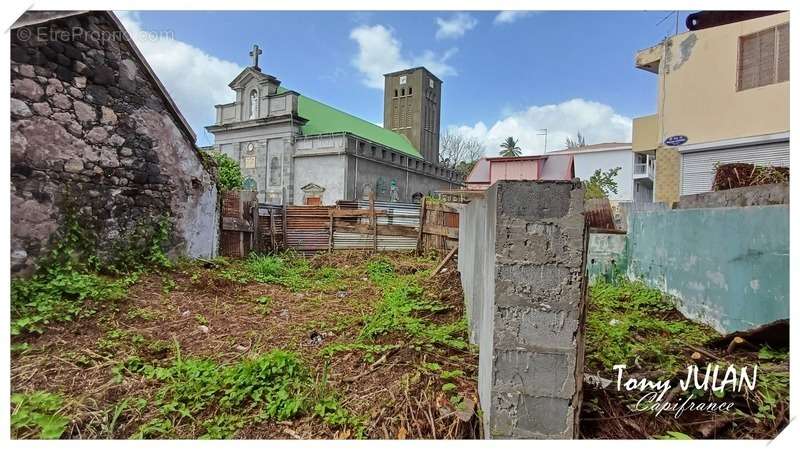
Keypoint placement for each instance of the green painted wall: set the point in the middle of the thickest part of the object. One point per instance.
(607, 256)
(728, 267)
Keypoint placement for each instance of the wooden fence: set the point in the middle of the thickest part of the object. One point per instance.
(248, 226)
(440, 226)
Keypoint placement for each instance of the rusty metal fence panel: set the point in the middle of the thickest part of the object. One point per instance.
(398, 225)
(308, 228)
(599, 214)
(381, 226)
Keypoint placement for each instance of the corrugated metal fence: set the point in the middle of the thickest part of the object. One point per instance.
(364, 225)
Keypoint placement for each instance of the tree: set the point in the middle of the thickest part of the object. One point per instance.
(509, 147)
(229, 174)
(459, 152)
(601, 183)
(580, 141)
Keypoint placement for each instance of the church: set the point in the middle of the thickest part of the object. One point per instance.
(296, 150)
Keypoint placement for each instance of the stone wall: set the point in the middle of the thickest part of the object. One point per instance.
(762, 195)
(93, 135)
(532, 248)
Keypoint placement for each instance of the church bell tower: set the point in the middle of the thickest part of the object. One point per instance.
(412, 107)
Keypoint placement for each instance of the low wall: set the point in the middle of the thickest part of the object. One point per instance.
(607, 256)
(522, 261)
(474, 254)
(762, 195)
(727, 267)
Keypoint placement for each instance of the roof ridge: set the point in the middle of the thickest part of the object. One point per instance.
(373, 126)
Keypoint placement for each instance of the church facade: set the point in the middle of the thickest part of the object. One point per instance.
(296, 150)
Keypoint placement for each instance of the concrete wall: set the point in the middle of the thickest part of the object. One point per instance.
(703, 103)
(268, 142)
(645, 133)
(727, 267)
(607, 256)
(365, 174)
(474, 256)
(92, 133)
(765, 194)
(586, 164)
(327, 171)
(523, 261)
(698, 93)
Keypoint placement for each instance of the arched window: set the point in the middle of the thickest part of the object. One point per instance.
(253, 104)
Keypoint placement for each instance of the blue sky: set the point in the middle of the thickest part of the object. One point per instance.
(512, 73)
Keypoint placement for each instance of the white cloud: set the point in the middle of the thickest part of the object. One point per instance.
(455, 26)
(509, 16)
(194, 79)
(596, 121)
(379, 52)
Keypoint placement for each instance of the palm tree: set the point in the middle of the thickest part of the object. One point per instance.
(579, 141)
(510, 148)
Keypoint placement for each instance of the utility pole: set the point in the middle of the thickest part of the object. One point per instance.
(545, 137)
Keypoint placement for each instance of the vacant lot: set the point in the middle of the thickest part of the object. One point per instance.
(343, 345)
(632, 324)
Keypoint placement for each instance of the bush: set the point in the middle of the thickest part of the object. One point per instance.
(229, 174)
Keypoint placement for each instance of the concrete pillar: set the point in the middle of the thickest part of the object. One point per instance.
(531, 330)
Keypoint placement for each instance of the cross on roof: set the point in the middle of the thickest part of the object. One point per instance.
(254, 54)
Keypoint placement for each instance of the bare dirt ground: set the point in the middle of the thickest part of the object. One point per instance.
(395, 383)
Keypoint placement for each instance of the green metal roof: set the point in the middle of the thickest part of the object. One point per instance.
(324, 119)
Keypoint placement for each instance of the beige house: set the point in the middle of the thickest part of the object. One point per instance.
(723, 96)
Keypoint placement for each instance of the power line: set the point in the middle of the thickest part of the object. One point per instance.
(665, 18)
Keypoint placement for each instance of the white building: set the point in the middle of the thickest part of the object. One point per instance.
(635, 178)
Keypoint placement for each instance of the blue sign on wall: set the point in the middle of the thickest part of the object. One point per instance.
(672, 141)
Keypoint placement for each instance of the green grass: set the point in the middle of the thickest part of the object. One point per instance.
(60, 296)
(272, 386)
(629, 320)
(404, 309)
(289, 270)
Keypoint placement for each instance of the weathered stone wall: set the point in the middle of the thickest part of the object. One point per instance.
(530, 240)
(91, 133)
(762, 195)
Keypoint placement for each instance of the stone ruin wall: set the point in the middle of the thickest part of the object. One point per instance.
(91, 132)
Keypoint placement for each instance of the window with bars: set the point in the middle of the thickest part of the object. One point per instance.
(764, 57)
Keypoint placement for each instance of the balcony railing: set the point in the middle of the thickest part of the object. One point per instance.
(644, 169)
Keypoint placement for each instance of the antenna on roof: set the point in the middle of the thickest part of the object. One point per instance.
(545, 137)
